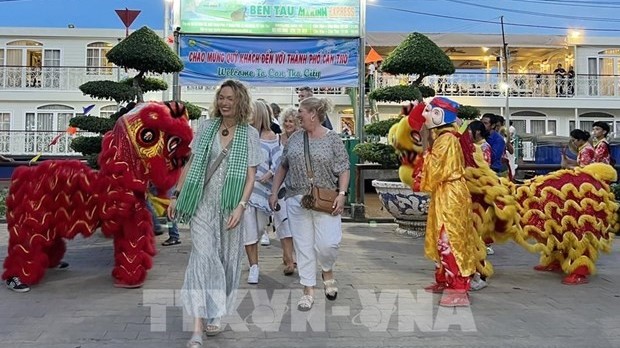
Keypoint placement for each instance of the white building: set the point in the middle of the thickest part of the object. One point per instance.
(42, 68)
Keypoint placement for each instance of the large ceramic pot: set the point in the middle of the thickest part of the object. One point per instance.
(408, 208)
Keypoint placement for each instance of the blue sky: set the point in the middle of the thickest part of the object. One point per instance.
(382, 15)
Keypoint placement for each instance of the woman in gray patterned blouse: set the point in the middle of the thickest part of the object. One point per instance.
(214, 209)
(316, 235)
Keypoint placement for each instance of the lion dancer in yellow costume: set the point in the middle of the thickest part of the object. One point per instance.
(408, 143)
(567, 216)
(451, 240)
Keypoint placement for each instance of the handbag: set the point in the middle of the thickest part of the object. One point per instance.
(318, 199)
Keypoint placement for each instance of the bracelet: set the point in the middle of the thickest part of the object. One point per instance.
(244, 204)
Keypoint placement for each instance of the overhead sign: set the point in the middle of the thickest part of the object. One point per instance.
(269, 62)
(332, 18)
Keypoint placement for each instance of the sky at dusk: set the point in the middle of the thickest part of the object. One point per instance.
(469, 16)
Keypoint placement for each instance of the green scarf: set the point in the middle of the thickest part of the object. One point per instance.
(193, 187)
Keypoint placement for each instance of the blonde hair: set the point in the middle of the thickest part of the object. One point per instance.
(290, 113)
(262, 117)
(321, 106)
(242, 103)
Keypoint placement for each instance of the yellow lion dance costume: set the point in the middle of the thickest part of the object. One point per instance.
(567, 216)
(407, 144)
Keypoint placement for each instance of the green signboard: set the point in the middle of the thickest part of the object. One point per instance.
(332, 18)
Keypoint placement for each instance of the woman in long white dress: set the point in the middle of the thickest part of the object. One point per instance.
(214, 209)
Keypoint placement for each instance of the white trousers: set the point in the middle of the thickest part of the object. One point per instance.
(254, 223)
(281, 221)
(316, 237)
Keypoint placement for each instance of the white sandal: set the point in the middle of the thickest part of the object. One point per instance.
(305, 303)
(213, 327)
(195, 341)
(331, 290)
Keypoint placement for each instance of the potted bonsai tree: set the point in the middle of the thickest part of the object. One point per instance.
(374, 151)
(419, 57)
(145, 52)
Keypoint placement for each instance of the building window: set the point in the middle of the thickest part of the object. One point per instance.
(107, 111)
(612, 52)
(571, 126)
(520, 126)
(586, 125)
(5, 135)
(44, 125)
(551, 127)
(2, 71)
(51, 58)
(24, 43)
(537, 127)
(96, 61)
(586, 120)
(51, 70)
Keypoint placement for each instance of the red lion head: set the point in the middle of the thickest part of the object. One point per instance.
(151, 141)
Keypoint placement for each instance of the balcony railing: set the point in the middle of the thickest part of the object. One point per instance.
(478, 84)
(22, 143)
(519, 85)
(65, 78)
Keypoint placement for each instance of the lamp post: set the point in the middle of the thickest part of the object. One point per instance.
(359, 119)
(168, 5)
(507, 84)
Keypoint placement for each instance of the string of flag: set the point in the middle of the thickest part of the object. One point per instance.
(70, 130)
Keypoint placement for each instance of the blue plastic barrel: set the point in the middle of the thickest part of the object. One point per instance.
(550, 153)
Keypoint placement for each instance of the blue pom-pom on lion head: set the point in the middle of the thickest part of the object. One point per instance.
(440, 111)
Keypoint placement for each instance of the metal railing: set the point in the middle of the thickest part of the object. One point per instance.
(480, 84)
(26, 143)
(519, 85)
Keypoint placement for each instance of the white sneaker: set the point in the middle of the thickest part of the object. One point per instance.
(490, 250)
(253, 276)
(264, 240)
(477, 283)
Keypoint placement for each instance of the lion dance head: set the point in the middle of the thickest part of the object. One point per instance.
(151, 141)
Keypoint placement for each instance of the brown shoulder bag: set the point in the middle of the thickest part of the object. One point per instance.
(319, 199)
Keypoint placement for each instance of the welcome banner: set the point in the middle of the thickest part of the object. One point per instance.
(269, 62)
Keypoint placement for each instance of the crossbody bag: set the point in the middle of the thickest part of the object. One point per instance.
(318, 198)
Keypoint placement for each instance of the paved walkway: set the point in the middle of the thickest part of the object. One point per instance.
(380, 303)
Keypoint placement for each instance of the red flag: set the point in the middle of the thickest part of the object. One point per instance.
(55, 140)
(127, 16)
(373, 56)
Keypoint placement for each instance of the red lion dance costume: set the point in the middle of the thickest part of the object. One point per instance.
(567, 216)
(60, 199)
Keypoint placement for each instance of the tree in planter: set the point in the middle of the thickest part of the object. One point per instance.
(143, 51)
(417, 55)
(374, 151)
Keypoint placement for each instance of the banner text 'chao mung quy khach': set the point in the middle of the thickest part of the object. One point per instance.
(280, 62)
